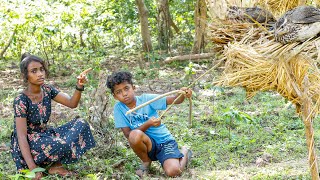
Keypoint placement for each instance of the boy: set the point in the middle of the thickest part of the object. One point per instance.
(149, 139)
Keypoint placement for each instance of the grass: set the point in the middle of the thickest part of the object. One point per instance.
(229, 133)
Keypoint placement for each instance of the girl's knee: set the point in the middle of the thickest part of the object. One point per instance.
(83, 123)
(80, 120)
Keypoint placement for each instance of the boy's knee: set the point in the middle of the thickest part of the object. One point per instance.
(135, 136)
(173, 171)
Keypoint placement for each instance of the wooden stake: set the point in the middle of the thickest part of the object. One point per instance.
(307, 117)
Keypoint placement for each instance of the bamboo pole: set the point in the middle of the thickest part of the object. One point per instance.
(152, 100)
(307, 117)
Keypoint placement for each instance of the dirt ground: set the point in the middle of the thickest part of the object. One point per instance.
(10, 82)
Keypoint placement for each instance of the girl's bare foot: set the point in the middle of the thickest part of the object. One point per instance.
(60, 171)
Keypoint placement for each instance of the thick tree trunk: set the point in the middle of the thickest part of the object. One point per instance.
(200, 17)
(164, 25)
(145, 33)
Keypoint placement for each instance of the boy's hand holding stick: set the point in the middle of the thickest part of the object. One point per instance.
(187, 92)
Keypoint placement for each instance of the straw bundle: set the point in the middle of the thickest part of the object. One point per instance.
(223, 32)
(278, 7)
(284, 73)
(217, 9)
(258, 63)
(288, 69)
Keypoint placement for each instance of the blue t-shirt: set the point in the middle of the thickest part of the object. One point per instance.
(134, 120)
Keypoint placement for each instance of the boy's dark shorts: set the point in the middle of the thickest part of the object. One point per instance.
(164, 151)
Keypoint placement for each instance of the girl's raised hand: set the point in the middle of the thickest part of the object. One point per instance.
(82, 78)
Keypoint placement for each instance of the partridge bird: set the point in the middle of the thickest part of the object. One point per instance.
(250, 14)
(298, 25)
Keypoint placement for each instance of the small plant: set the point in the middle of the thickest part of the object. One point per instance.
(233, 115)
(189, 70)
(27, 174)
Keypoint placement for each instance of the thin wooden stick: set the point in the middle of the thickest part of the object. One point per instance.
(190, 111)
(176, 91)
(170, 106)
(215, 66)
(152, 100)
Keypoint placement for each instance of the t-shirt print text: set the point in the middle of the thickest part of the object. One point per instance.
(137, 120)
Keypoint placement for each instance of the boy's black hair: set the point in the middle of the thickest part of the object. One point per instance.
(118, 78)
(26, 59)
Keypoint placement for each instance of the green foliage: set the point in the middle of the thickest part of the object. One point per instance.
(63, 31)
(189, 70)
(27, 174)
(228, 132)
(255, 128)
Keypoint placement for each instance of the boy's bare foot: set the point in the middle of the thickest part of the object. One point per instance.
(143, 169)
(187, 156)
(184, 150)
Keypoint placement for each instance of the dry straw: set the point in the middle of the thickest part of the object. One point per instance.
(291, 70)
(256, 62)
(256, 69)
(225, 31)
(278, 7)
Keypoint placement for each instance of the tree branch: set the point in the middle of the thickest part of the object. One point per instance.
(9, 42)
(189, 57)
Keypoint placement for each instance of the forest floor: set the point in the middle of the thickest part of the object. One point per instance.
(282, 166)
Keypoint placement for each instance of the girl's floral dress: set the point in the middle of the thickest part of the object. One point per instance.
(64, 144)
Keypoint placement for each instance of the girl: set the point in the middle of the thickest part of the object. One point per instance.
(34, 143)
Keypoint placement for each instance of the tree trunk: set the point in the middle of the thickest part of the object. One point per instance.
(164, 25)
(145, 33)
(175, 27)
(8, 43)
(200, 17)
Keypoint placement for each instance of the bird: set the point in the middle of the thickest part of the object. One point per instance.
(250, 14)
(297, 25)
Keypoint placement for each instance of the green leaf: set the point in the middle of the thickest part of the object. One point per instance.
(38, 169)
(25, 171)
(16, 177)
(30, 175)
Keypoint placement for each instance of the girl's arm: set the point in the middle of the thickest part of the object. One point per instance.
(72, 102)
(21, 125)
(65, 99)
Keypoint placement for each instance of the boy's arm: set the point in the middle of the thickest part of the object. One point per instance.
(151, 122)
(126, 131)
(188, 94)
